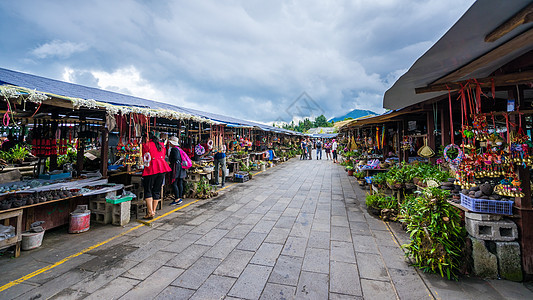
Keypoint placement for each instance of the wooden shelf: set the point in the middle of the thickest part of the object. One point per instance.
(38, 204)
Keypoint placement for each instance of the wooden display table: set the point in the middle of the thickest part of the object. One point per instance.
(17, 239)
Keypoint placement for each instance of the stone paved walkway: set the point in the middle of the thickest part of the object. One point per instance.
(297, 231)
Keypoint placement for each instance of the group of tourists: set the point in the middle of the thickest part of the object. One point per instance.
(164, 156)
(329, 147)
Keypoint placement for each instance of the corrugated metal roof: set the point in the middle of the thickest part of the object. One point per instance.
(462, 44)
(66, 89)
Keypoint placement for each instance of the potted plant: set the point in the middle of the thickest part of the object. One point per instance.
(350, 170)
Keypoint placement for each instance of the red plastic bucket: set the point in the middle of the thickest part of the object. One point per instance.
(79, 222)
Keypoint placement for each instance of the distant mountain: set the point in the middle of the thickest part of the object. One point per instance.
(354, 114)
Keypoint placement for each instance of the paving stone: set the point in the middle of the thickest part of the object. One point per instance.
(176, 232)
(154, 284)
(285, 222)
(239, 231)
(300, 230)
(174, 292)
(252, 219)
(147, 250)
(316, 260)
(204, 228)
(17, 290)
(340, 234)
(312, 286)
(371, 266)
(408, 284)
(267, 254)
(342, 252)
(199, 220)
(277, 235)
(291, 212)
(344, 279)
(229, 223)
(190, 255)
(114, 289)
(234, 263)
(182, 243)
(274, 291)
(251, 282)
(319, 239)
(56, 285)
(143, 269)
(69, 294)
(263, 226)
(295, 246)
(363, 243)
(194, 276)
(287, 270)
(320, 225)
(212, 237)
(103, 276)
(146, 238)
(339, 221)
(222, 249)
(360, 228)
(335, 296)
(215, 287)
(394, 257)
(252, 241)
(373, 289)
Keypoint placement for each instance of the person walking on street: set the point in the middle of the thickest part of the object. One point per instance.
(178, 173)
(153, 174)
(327, 148)
(334, 150)
(309, 149)
(304, 150)
(220, 163)
(318, 149)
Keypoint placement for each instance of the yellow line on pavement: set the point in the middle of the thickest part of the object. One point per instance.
(47, 268)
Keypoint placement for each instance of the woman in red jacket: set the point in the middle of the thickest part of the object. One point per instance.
(154, 171)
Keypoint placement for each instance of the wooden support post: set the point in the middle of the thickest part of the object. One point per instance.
(446, 134)
(104, 151)
(81, 150)
(430, 126)
(523, 205)
(53, 158)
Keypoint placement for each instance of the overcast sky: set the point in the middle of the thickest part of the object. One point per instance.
(248, 59)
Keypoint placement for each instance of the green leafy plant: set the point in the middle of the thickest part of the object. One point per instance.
(359, 175)
(381, 201)
(379, 179)
(15, 154)
(437, 237)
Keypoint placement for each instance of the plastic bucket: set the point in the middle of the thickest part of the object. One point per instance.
(79, 222)
(32, 240)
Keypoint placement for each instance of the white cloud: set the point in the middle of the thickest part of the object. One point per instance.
(58, 49)
(244, 58)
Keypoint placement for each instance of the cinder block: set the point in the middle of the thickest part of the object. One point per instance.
(503, 230)
(121, 213)
(100, 217)
(482, 217)
(101, 211)
(485, 263)
(509, 261)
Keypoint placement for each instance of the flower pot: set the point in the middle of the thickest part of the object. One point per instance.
(350, 172)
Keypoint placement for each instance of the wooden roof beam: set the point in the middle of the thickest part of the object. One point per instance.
(502, 80)
(522, 17)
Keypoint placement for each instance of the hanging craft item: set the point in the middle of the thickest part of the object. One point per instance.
(199, 150)
(426, 151)
(458, 159)
(210, 144)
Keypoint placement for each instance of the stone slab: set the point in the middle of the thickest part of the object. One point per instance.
(503, 230)
(251, 282)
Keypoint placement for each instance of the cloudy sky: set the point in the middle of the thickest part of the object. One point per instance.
(248, 59)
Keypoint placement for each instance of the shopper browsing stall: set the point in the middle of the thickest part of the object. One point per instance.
(220, 162)
(177, 159)
(153, 174)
